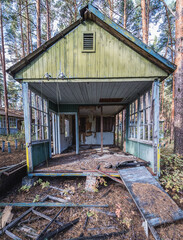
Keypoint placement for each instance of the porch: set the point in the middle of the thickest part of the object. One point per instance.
(88, 162)
(92, 129)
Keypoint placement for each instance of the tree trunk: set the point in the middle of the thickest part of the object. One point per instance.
(178, 120)
(3, 62)
(48, 19)
(38, 24)
(173, 94)
(31, 41)
(147, 20)
(21, 28)
(28, 27)
(125, 16)
(144, 21)
(163, 83)
(111, 8)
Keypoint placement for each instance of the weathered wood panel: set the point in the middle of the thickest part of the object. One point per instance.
(141, 175)
(111, 59)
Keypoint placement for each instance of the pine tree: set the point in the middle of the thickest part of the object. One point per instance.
(178, 79)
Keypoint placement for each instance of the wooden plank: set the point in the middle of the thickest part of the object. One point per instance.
(27, 124)
(141, 175)
(11, 235)
(101, 129)
(156, 128)
(48, 204)
(77, 133)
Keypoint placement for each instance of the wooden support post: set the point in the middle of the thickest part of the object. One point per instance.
(138, 124)
(3, 146)
(101, 129)
(53, 133)
(115, 130)
(9, 147)
(36, 116)
(27, 123)
(118, 129)
(77, 133)
(49, 129)
(58, 132)
(156, 128)
(127, 126)
(122, 129)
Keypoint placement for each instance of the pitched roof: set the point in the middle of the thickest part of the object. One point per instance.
(92, 13)
(12, 113)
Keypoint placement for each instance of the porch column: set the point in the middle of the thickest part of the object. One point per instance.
(58, 132)
(77, 133)
(122, 127)
(53, 133)
(49, 129)
(127, 126)
(115, 130)
(156, 128)
(101, 128)
(118, 129)
(27, 125)
(138, 124)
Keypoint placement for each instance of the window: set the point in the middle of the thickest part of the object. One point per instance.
(88, 42)
(39, 117)
(2, 122)
(66, 128)
(12, 122)
(141, 118)
(133, 119)
(108, 124)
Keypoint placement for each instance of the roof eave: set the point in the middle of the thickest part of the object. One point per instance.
(131, 40)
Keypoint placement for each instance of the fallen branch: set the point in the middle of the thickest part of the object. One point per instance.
(65, 227)
(101, 236)
(45, 229)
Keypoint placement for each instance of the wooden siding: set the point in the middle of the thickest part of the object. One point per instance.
(111, 59)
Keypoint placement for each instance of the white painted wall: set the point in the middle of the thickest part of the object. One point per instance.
(95, 139)
(66, 141)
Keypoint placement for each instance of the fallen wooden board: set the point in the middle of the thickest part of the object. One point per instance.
(6, 216)
(140, 175)
(48, 204)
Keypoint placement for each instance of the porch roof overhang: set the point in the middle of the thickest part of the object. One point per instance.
(91, 93)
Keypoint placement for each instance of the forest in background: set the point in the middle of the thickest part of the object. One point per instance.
(28, 24)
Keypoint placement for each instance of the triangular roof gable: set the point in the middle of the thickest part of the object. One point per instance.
(127, 38)
(92, 13)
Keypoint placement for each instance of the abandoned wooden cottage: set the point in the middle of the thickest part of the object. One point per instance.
(93, 84)
(15, 118)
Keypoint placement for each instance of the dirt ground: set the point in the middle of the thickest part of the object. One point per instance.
(122, 213)
(14, 157)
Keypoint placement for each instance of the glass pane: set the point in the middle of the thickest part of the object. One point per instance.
(146, 133)
(141, 132)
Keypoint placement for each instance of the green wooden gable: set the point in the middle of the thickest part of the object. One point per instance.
(111, 58)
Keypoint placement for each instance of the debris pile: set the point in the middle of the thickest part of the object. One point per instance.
(90, 215)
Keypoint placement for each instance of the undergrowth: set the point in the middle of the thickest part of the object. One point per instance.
(172, 174)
